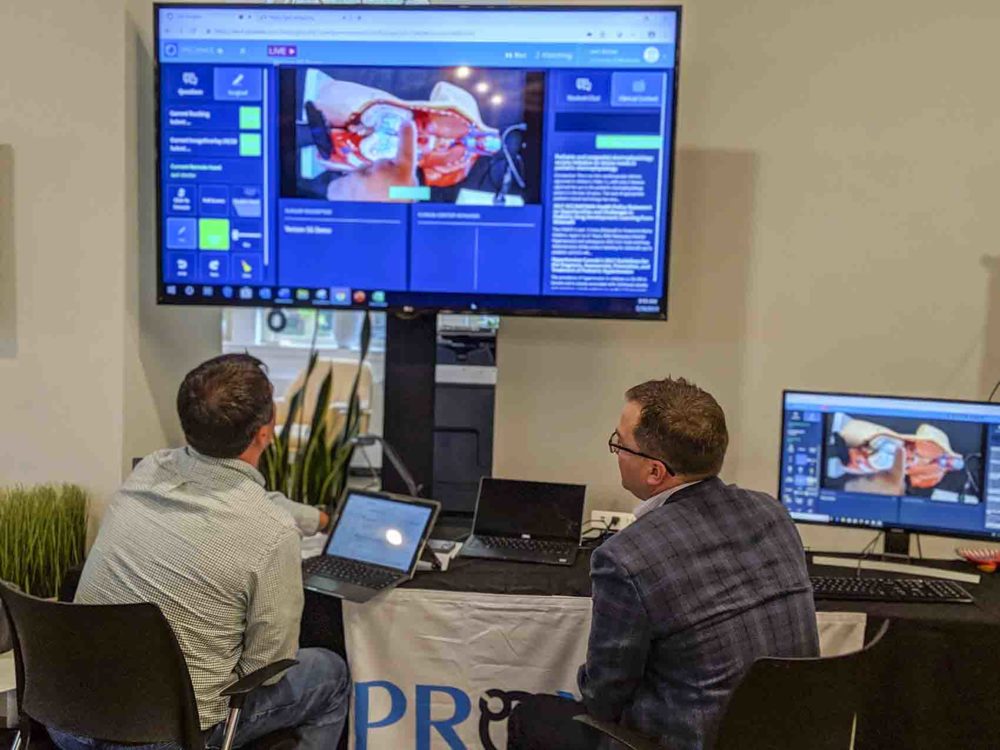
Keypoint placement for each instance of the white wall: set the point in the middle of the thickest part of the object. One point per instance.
(162, 343)
(92, 381)
(61, 110)
(834, 229)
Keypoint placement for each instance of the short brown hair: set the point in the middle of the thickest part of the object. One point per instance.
(223, 402)
(682, 424)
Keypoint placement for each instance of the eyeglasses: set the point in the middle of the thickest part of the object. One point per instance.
(615, 445)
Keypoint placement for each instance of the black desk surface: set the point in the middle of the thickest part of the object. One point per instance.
(498, 577)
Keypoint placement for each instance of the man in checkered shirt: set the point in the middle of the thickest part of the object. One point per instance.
(708, 578)
(193, 531)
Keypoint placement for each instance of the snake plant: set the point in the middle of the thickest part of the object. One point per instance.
(315, 472)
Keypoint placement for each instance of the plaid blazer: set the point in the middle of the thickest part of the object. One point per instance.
(684, 600)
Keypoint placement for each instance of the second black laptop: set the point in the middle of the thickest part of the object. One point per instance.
(536, 522)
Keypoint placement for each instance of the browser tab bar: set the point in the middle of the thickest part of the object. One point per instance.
(402, 25)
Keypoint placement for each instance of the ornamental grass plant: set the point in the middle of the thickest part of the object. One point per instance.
(43, 533)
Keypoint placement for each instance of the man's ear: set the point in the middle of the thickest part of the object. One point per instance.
(264, 435)
(657, 473)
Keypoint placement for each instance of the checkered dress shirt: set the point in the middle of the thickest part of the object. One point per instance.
(684, 600)
(201, 538)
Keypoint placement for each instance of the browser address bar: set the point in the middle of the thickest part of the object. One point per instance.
(222, 33)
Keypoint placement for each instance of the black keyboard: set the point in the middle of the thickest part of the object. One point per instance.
(352, 571)
(531, 545)
(930, 590)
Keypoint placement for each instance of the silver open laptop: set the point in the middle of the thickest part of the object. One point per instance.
(374, 545)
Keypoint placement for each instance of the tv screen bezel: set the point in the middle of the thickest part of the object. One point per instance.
(886, 528)
(481, 305)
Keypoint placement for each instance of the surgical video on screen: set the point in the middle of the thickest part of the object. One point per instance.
(381, 134)
(377, 531)
(900, 456)
(889, 462)
(429, 159)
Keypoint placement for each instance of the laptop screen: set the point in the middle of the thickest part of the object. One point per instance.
(508, 507)
(379, 531)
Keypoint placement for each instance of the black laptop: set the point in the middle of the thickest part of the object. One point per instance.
(526, 521)
(374, 545)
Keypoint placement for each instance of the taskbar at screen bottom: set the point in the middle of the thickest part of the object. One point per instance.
(344, 298)
(823, 519)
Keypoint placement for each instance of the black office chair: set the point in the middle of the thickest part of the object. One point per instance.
(784, 704)
(114, 672)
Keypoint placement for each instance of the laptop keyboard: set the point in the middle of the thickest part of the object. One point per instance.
(352, 571)
(529, 545)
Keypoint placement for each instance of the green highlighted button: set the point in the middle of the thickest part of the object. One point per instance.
(615, 142)
(249, 144)
(249, 118)
(407, 193)
(213, 234)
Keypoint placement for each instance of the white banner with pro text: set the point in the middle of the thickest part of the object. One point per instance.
(440, 669)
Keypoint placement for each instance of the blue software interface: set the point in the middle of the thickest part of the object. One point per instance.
(881, 461)
(382, 532)
(432, 158)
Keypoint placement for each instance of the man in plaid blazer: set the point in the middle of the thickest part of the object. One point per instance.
(708, 578)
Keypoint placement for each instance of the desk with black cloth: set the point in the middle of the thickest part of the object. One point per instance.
(941, 662)
(321, 619)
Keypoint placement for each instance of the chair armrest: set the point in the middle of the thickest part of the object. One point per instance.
(254, 680)
(628, 737)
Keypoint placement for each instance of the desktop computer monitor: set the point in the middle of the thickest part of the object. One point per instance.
(513, 160)
(885, 462)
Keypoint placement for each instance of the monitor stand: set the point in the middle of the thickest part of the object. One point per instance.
(897, 545)
(410, 360)
(895, 558)
(410, 357)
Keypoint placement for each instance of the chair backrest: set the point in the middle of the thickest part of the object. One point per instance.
(112, 672)
(795, 703)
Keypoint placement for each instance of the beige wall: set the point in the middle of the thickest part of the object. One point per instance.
(162, 343)
(91, 382)
(834, 229)
(61, 111)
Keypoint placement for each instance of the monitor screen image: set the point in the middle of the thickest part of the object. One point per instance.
(879, 461)
(511, 507)
(502, 160)
(379, 531)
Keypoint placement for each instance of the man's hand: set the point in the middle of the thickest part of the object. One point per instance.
(338, 100)
(324, 522)
(373, 183)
